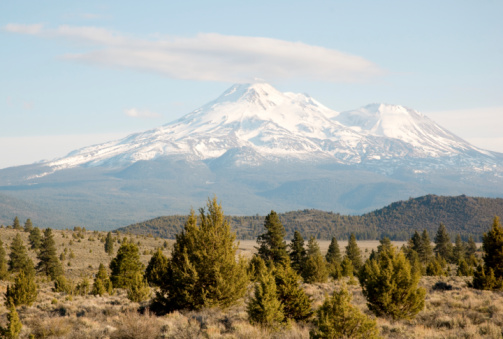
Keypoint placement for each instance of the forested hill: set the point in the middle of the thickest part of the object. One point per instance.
(464, 215)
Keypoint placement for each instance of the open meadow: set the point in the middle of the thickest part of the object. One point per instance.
(460, 312)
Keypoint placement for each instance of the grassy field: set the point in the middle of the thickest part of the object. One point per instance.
(458, 313)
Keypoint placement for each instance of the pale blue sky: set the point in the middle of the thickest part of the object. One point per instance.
(77, 73)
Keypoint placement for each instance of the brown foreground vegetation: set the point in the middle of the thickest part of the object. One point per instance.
(460, 312)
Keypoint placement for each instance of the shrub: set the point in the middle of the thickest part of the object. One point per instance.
(337, 318)
(138, 290)
(390, 286)
(23, 292)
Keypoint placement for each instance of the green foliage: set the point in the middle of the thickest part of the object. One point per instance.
(333, 253)
(4, 273)
(296, 303)
(459, 250)
(353, 253)
(492, 244)
(337, 318)
(272, 246)
(471, 247)
(35, 238)
(462, 214)
(15, 224)
(83, 287)
(426, 252)
(49, 263)
(61, 284)
(125, 265)
(256, 267)
(464, 270)
(202, 270)
(490, 276)
(14, 325)
(138, 290)
(28, 225)
(315, 269)
(264, 308)
(23, 292)
(109, 244)
(443, 245)
(18, 257)
(157, 268)
(347, 267)
(102, 283)
(297, 252)
(390, 286)
(437, 267)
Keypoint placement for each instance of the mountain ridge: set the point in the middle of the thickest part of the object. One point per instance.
(258, 149)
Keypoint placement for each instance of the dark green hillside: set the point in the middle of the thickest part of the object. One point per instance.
(464, 215)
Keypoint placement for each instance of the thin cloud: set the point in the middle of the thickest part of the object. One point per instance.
(136, 113)
(212, 57)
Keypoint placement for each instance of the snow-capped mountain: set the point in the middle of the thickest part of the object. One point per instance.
(274, 126)
(257, 149)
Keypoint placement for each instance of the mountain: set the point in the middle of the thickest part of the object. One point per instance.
(259, 149)
(467, 216)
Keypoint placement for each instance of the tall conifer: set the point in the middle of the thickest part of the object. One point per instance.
(353, 253)
(125, 265)
(272, 245)
(28, 226)
(297, 252)
(443, 245)
(18, 257)
(202, 270)
(315, 268)
(3, 262)
(334, 252)
(49, 263)
(109, 244)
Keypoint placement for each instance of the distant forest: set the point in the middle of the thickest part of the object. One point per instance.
(467, 216)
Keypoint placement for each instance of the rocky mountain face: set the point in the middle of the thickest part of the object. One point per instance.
(259, 149)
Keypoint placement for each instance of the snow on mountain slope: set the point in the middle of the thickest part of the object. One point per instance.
(410, 126)
(258, 119)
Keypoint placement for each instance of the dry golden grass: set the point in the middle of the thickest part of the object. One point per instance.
(458, 313)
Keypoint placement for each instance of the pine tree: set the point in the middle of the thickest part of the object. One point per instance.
(15, 224)
(18, 257)
(256, 267)
(384, 245)
(492, 244)
(28, 226)
(4, 273)
(334, 253)
(337, 318)
(49, 263)
(464, 270)
(14, 325)
(353, 253)
(202, 270)
(426, 253)
(315, 268)
(138, 290)
(347, 267)
(109, 244)
(23, 292)
(272, 244)
(471, 247)
(296, 303)
(443, 245)
(490, 276)
(297, 252)
(390, 286)
(125, 265)
(102, 283)
(264, 308)
(35, 238)
(156, 268)
(459, 250)
(437, 267)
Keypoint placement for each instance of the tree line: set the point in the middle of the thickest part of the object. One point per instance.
(462, 215)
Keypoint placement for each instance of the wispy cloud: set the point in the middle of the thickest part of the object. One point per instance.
(136, 113)
(211, 56)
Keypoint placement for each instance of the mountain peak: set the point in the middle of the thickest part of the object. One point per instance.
(258, 92)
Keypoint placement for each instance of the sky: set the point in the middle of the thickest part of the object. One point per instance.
(77, 73)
